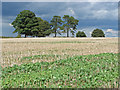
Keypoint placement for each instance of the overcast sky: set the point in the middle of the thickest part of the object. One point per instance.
(91, 15)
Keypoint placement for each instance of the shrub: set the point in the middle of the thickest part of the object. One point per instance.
(98, 33)
(80, 34)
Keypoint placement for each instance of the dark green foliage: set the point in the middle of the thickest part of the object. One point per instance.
(27, 23)
(24, 22)
(80, 34)
(70, 24)
(98, 33)
(42, 28)
(56, 23)
(87, 71)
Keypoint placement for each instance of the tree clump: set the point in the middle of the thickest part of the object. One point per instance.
(28, 24)
(98, 33)
(80, 34)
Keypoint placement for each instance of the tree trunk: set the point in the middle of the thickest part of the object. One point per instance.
(67, 32)
(25, 35)
(55, 33)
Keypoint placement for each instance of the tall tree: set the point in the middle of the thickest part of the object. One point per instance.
(70, 24)
(56, 23)
(42, 28)
(24, 22)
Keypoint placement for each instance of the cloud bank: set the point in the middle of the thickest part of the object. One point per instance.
(60, 0)
(91, 15)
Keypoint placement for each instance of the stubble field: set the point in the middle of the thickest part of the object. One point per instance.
(67, 62)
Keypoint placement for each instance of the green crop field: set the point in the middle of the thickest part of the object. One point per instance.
(89, 71)
(60, 63)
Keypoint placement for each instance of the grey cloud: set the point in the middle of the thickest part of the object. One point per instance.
(91, 14)
(60, 0)
(83, 10)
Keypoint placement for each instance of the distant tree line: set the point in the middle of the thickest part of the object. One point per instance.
(95, 33)
(28, 24)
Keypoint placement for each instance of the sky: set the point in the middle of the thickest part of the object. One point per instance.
(91, 15)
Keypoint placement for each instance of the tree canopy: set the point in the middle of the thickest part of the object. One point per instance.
(80, 34)
(98, 33)
(24, 22)
(42, 28)
(70, 24)
(56, 23)
(27, 23)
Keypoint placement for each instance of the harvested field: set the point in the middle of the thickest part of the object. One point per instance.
(60, 63)
(25, 50)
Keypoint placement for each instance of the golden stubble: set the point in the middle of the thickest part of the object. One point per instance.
(14, 49)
